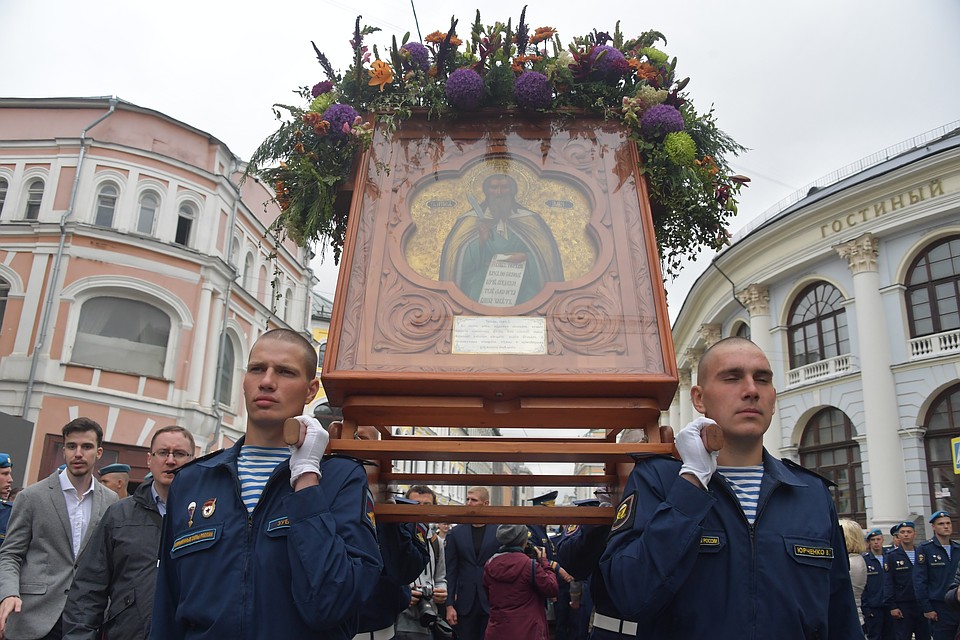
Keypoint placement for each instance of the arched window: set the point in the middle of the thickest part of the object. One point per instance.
(106, 206)
(228, 365)
(185, 224)
(263, 287)
(120, 334)
(34, 198)
(933, 289)
(743, 331)
(4, 185)
(818, 325)
(248, 271)
(827, 447)
(147, 216)
(4, 293)
(321, 354)
(943, 424)
(288, 305)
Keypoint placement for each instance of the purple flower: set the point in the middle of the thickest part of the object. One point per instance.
(339, 115)
(533, 90)
(321, 88)
(419, 55)
(608, 63)
(659, 120)
(464, 89)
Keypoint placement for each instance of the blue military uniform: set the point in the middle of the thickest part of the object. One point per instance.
(579, 551)
(5, 509)
(403, 548)
(899, 593)
(876, 617)
(932, 574)
(684, 562)
(298, 566)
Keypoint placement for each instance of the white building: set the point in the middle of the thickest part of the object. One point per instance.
(853, 291)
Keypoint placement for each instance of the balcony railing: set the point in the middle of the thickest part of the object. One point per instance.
(938, 344)
(822, 370)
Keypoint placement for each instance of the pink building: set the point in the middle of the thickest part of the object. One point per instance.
(128, 249)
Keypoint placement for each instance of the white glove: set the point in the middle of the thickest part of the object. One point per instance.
(306, 458)
(696, 459)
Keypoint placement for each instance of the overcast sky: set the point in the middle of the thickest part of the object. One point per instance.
(808, 87)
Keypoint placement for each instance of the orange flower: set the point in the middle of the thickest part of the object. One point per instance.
(381, 74)
(438, 37)
(519, 61)
(541, 34)
(646, 71)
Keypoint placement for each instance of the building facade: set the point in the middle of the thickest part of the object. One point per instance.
(136, 271)
(853, 292)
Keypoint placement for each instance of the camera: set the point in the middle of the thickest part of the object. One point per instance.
(427, 611)
(531, 552)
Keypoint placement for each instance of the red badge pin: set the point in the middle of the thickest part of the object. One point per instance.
(209, 507)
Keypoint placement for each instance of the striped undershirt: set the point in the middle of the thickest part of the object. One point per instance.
(254, 466)
(745, 482)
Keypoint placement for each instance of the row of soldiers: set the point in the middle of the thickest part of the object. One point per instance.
(911, 589)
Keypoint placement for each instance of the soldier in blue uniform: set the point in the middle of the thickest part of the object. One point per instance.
(540, 538)
(403, 548)
(731, 543)
(899, 595)
(937, 562)
(581, 548)
(265, 541)
(6, 484)
(877, 623)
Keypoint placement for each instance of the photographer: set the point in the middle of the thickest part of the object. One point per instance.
(420, 621)
(517, 580)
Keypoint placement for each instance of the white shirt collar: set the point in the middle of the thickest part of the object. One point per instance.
(66, 485)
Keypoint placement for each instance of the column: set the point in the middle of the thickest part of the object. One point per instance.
(686, 408)
(881, 414)
(756, 298)
(199, 343)
(710, 334)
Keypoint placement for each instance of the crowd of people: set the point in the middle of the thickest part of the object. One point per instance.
(271, 540)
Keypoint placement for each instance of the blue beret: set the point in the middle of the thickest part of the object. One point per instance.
(906, 523)
(115, 468)
(5, 461)
(545, 498)
(874, 532)
(938, 514)
(587, 502)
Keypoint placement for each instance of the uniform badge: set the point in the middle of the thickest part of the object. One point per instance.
(625, 513)
(190, 509)
(367, 515)
(422, 533)
(209, 507)
(920, 558)
(572, 529)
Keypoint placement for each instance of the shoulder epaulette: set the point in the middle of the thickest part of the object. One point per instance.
(331, 456)
(790, 464)
(196, 460)
(638, 457)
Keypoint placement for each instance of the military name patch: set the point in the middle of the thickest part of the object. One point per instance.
(709, 541)
(278, 523)
(802, 551)
(203, 537)
(625, 513)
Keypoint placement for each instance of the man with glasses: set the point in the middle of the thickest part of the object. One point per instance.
(113, 588)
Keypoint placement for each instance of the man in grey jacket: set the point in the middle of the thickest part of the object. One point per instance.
(50, 527)
(114, 585)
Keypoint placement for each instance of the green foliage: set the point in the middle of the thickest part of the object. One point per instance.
(692, 201)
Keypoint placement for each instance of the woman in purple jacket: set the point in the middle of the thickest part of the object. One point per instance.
(517, 585)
